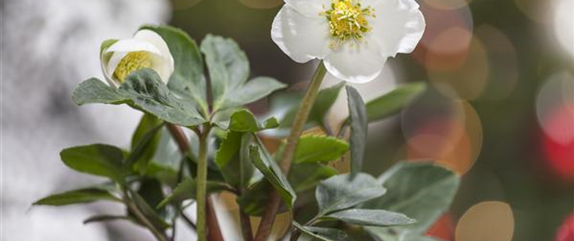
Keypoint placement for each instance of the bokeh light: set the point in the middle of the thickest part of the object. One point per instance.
(566, 230)
(443, 228)
(468, 80)
(502, 62)
(564, 24)
(447, 4)
(486, 221)
(450, 134)
(535, 10)
(555, 107)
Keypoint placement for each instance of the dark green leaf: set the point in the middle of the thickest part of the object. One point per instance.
(265, 163)
(419, 190)
(325, 234)
(186, 190)
(314, 148)
(232, 159)
(339, 192)
(105, 218)
(371, 217)
(147, 91)
(284, 106)
(392, 102)
(255, 89)
(144, 142)
(253, 200)
(96, 91)
(85, 195)
(187, 80)
(305, 176)
(148, 211)
(359, 126)
(227, 64)
(96, 159)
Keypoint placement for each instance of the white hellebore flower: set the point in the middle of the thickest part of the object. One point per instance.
(353, 37)
(145, 50)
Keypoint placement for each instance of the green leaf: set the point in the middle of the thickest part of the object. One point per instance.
(304, 176)
(284, 106)
(253, 200)
(96, 91)
(148, 211)
(265, 163)
(187, 80)
(371, 217)
(186, 190)
(232, 159)
(255, 89)
(325, 234)
(96, 159)
(84, 195)
(144, 142)
(315, 148)
(244, 121)
(339, 192)
(419, 190)
(147, 91)
(228, 66)
(359, 126)
(106, 218)
(392, 102)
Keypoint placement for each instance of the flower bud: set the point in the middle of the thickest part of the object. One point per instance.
(146, 49)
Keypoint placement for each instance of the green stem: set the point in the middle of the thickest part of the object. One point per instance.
(201, 184)
(301, 117)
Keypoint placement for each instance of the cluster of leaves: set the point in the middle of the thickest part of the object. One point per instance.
(400, 205)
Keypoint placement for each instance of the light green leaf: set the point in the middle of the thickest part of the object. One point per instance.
(147, 91)
(84, 195)
(315, 148)
(339, 192)
(244, 121)
(419, 190)
(187, 80)
(304, 176)
(96, 91)
(186, 190)
(392, 102)
(371, 217)
(359, 126)
(255, 89)
(325, 234)
(265, 163)
(96, 159)
(227, 64)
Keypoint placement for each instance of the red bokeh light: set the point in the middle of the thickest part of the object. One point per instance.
(566, 230)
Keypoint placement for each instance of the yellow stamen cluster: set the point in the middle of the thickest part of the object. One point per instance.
(131, 62)
(347, 20)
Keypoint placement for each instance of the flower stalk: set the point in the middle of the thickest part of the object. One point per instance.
(201, 189)
(301, 117)
(209, 217)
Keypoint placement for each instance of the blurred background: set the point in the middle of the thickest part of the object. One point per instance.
(499, 109)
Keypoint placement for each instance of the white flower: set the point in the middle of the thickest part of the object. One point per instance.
(145, 50)
(353, 37)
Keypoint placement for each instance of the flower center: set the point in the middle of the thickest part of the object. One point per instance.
(131, 62)
(348, 20)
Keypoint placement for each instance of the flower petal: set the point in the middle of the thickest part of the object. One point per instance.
(398, 26)
(309, 8)
(157, 41)
(300, 37)
(355, 64)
